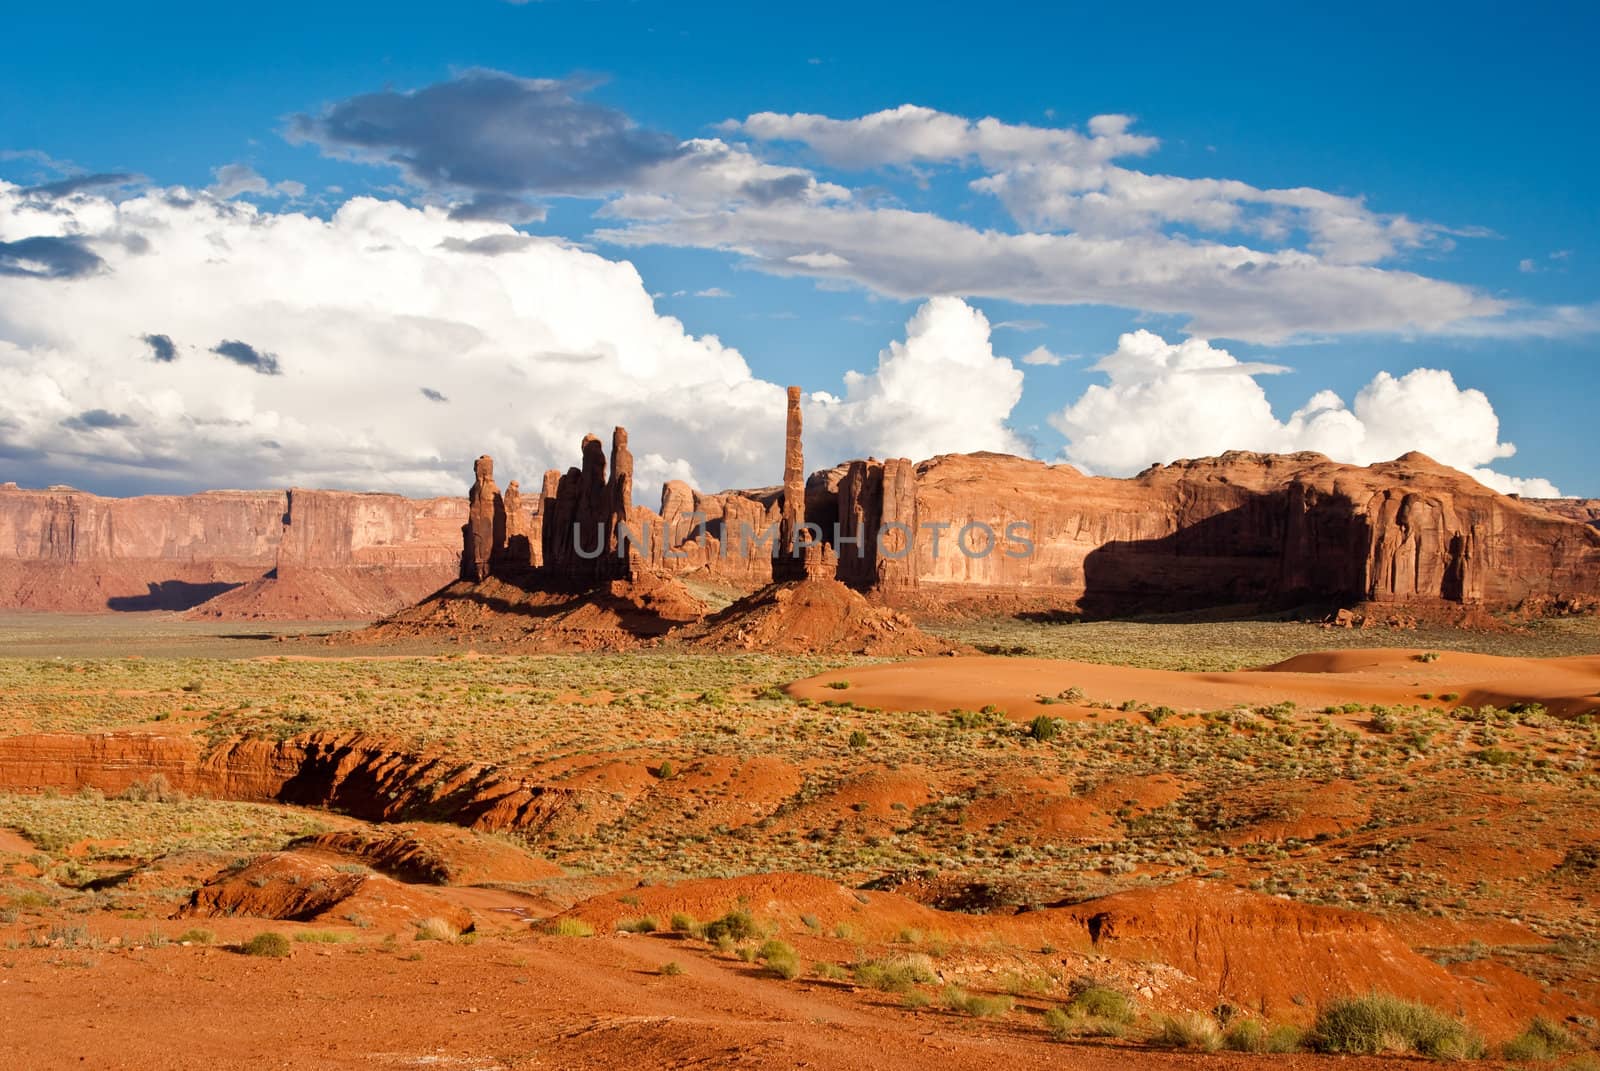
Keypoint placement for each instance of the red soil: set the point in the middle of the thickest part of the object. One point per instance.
(1565, 686)
(812, 616)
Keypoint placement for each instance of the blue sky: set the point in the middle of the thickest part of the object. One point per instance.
(1463, 131)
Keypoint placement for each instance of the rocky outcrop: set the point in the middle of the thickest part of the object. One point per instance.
(1582, 510)
(298, 553)
(982, 531)
(1248, 528)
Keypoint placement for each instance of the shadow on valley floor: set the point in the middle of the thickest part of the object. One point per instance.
(170, 595)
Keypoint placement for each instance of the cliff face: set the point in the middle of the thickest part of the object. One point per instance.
(965, 528)
(1253, 528)
(315, 554)
(1241, 528)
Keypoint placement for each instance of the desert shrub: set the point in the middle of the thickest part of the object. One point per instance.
(1428, 656)
(639, 925)
(1065, 1023)
(325, 937)
(196, 936)
(1044, 728)
(666, 770)
(1157, 715)
(437, 929)
(1285, 1038)
(1102, 1002)
(63, 935)
(270, 944)
(977, 1005)
(896, 974)
(1378, 1023)
(570, 927)
(1245, 1035)
(1543, 1040)
(780, 959)
(154, 789)
(841, 685)
(671, 968)
(682, 922)
(831, 971)
(858, 739)
(736, 925)
(1190, 1030)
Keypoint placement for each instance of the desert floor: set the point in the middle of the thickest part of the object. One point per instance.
(1109, 845)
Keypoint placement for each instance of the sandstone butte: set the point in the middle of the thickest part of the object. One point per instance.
(1242, 529)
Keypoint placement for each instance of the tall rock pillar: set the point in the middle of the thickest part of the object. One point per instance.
(484, 533)
(789, 564)
(619, 494)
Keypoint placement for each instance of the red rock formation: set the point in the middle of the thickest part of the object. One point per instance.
(1583, 510)
(517, 554)
(484, 535)
(1247, 528)
(621, 527)
(311, 554)
(789, 562)
(986, 531)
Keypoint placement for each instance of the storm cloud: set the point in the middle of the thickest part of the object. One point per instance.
(161, 347)
(492, 133)
(49, 257)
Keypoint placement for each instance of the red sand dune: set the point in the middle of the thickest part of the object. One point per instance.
(1565, 686)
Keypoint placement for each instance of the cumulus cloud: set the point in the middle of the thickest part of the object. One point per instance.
(1039, 355)
(534, 343)
(1164, 401)
(942, 390)
(49, 256)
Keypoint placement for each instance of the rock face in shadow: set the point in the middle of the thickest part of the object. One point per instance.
(239, 554)
(1246, 528)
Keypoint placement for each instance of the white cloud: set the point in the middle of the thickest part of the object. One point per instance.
(1241, 261)
(1166, 401)
(532, 342)
(1527, 266)
(712, 292)
(942, 390)
(398, 344)
(232, 180)
(1229, 291)
(912, 134)
(1039, 355)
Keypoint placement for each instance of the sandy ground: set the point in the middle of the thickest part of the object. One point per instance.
(1565, 686)
(512, 1004)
